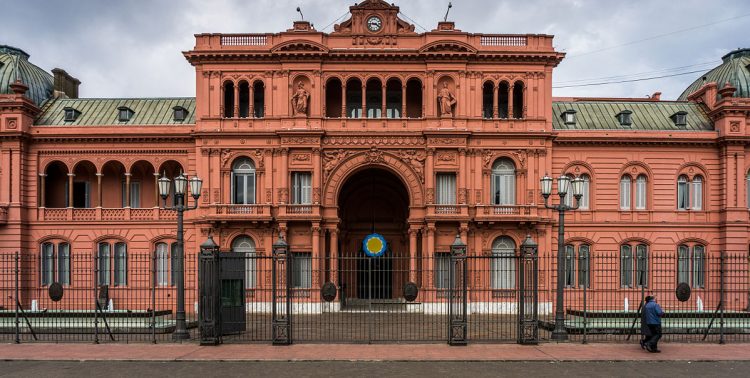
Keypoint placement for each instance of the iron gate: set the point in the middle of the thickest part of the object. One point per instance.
(293, 297)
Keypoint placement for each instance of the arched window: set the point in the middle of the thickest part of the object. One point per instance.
(121, 264)
(626, 265)
(488, 100)
(243, 182)
(583, 263)
(108, 263)
(504, 182)
(103, 264)
(518, 100)
(503, 263)
(503, 94)
(333, 98)
(259, 99)
(50, 272)
(246, 245)
(625, 183)
(244, 100)
(683, 201)
(640, 192)
(354, 99)
(228, 99)
(691, 265)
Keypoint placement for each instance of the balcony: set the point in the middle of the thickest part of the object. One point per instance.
(107, 215)
(447, 212)
(301, 212)
(491, 213)
(228, 212)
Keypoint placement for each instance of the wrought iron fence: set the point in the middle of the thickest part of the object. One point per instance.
(103, 298)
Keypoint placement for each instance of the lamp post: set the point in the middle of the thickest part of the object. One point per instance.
(563, 185)
(180, 206)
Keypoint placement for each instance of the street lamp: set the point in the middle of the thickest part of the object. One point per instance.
(180, 206)
(563, 185)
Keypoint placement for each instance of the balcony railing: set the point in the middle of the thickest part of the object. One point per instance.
(503, 40)
(244, 40)
(231, 209)
(451, 211)
(299, 209)
(500, 211)
(102, 214)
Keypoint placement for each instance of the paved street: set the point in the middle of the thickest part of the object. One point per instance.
(372, 369)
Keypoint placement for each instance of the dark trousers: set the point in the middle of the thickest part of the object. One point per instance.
(652, 340)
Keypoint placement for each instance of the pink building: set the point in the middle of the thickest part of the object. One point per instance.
(326, 138)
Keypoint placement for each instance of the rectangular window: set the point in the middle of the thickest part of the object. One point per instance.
(683, 264)
(697, 193)
(135, 194)
(162, 267)
(172, 263)
(625, 193)
(699, 266)
(48, 264)
(302, 270)
(682, 194)
(626, 266)
(442, 270)
(250, 270)
(63, 263)
(301, 188)
(584, 203)
(584, 264)
(446, 189)
(504, 188)
(503, 270)
(103, 264)
(569, 266)
(641, 255)
(121, 264)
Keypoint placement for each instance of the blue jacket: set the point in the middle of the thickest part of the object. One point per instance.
(652, 313)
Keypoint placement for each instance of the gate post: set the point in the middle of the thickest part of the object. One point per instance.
(209, 311)
(281, 321)
(457, 290)
(528, 301)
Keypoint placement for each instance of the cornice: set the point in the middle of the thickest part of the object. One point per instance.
(80, 152)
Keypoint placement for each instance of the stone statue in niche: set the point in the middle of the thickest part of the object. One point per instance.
(300, 100)
(447, 100)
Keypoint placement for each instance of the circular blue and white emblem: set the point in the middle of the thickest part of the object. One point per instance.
(374, 245)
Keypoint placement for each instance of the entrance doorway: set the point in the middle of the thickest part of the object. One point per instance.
(373, 200)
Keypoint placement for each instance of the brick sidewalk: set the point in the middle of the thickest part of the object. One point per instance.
(403, 352)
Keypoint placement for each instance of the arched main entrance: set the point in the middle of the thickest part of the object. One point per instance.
(373, 200)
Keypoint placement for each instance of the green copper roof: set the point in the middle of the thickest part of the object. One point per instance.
(734, 70)
(602, 115)
(103, 112)
(14, 64)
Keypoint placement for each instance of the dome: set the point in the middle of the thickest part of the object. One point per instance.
(14, 64)
(734, 70)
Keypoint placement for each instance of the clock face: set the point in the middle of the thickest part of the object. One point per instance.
(374, 23)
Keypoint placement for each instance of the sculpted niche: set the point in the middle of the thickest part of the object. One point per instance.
(300, 100)
(447, 101)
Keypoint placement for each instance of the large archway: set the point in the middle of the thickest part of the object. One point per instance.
(374, 200)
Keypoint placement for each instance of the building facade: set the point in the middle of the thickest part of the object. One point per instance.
(326, 138)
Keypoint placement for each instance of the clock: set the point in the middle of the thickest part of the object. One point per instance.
(374, 24)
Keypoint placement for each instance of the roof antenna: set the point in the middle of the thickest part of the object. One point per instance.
(450, 5)
(300, 13)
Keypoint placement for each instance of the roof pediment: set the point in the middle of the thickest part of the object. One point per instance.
(299, 46)
(448, 47)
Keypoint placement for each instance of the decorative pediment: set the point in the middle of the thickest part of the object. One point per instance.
(300, 46)
(374, 17)
(447, 47)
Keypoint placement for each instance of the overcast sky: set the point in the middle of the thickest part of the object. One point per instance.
(132, 48)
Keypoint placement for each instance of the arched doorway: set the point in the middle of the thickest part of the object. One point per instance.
(373, 200)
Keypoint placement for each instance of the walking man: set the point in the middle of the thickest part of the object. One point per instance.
(652, 314)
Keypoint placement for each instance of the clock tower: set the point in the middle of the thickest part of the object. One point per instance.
(374, 20)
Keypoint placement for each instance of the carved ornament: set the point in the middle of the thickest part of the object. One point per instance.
(416, 160)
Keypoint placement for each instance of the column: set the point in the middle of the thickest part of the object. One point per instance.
(252, 100)
(426, 267)
(403, 100)
(343, 100)
(318, 274)
(510, 100)
(334, 256)
(156, 189)
(127, 189)
(383, 88)
(99, 189)
(463, 171)
(364, 100)
(413, 254)
(429, 177)
(283, 171)
(316, 184)
(236, 101)
(42, 190)
(70, 189)
(495, 108)
(430, 258)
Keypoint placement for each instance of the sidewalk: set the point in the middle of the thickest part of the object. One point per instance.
(389, 352)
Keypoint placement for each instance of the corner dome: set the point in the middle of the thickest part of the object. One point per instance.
(14, 64)
(735, 70)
